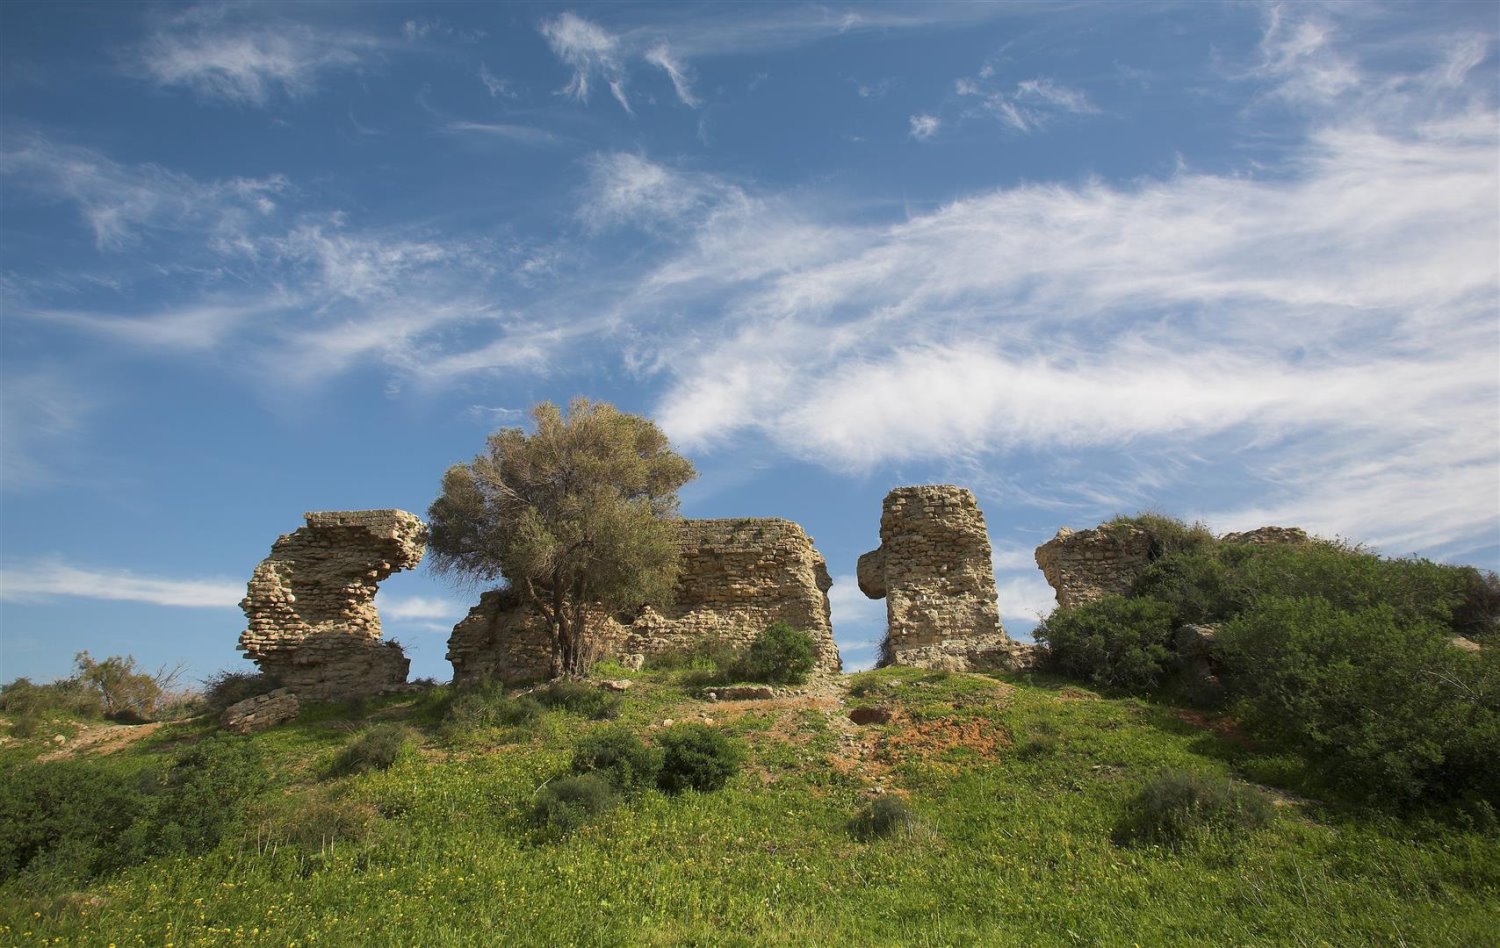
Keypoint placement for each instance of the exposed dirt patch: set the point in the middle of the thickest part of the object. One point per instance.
(936, 737)
(101, 739)
(1076, 694)
(1226, 727)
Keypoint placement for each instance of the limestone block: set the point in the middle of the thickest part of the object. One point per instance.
(261, 712)
(310, 605)
(1266, 535)
(934, 570)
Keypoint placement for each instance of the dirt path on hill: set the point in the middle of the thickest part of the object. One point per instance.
(101, 739)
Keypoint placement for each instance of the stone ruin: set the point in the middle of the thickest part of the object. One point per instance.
(934, 570)
(1085, 565)
(738, 576)
(311, 604)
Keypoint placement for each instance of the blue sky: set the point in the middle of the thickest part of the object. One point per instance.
(1238, 262)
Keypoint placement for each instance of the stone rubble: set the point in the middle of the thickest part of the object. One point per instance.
(261, 712)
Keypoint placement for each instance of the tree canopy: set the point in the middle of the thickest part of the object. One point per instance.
(576, 516)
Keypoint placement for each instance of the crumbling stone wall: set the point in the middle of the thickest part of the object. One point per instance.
(311, 603)
(738, 576)
(1263, 536)
(934, 570)
(1087, 565)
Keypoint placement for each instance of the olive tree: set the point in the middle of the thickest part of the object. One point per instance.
(577, 516)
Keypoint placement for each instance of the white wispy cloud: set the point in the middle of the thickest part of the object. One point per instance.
(236, 54)
(47, 579)
(1030, 104)
(924, 127)
(522, 134)
(1326, 326)
(497, 87)
(40, 409)
(420, 607)
(591, 51)
(660, 56)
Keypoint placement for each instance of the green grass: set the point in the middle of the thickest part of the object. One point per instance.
(1015, 850)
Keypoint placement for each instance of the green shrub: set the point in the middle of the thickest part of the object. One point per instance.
(703, 655)
(1387, 709)
(65, 818)
(69, 696)
(1114, 642)
(201, 796)
(318, 822)
(376, 748)
(1175, 809)
(781, 655)
(1201, 585)
(696, 757)
(582, 699)
(1168, 534)
(882, 819)
(619, 756)
(566, 804)
(128, 693)
(1417, 591)
(1477, 615)
(228, 687)
(487, 706)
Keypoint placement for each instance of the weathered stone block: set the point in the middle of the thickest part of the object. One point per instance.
(1091, 564)
(261, 712)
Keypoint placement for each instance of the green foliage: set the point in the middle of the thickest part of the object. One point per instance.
(618, 755)
(1178, 808)
(1386, 707)
(1168, 534)
(569, 803)
(1477, 615)
(582, 699)
(201, 795)
(1112, 642)
(487, 706)
(377, 748)
(231, 686)
(697, 757)
(126, 692)
(781, 655)
(64, 819)
(576, 516)
(882, 819)
(708, 655)
(70, 696)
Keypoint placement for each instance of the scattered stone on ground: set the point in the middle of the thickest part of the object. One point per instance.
(261, 712)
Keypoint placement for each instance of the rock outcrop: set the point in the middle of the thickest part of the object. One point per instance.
(1087, 565)
(311, 604)
(261, 712)
(934, 570)
(1267, 535)
(738, 576)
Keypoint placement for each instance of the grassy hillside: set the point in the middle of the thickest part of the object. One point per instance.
(1017, 786)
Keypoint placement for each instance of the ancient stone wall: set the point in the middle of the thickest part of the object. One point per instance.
(1087, 565)
(738, 576)
(934, 570)
(1263, 536)
(311, 603)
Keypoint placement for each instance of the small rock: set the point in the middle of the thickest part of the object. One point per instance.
(746, 693)
(635, 661)
(59, 739)
(870, 715)
(1467, 645)
(620, 684)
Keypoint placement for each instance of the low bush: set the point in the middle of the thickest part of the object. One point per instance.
(229, 687)
(488, 706)
(589, 701)
(696, 757)
(201, 795)
(619, 756)
(1168, 534)
(1113, 642)
(781, 655)
(568, 803)
(703, 655)
(69, 696)
(1179, 808)
(377, 748)
(882, 819)
(1387, 709)
(318, 822)
(65, 819)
